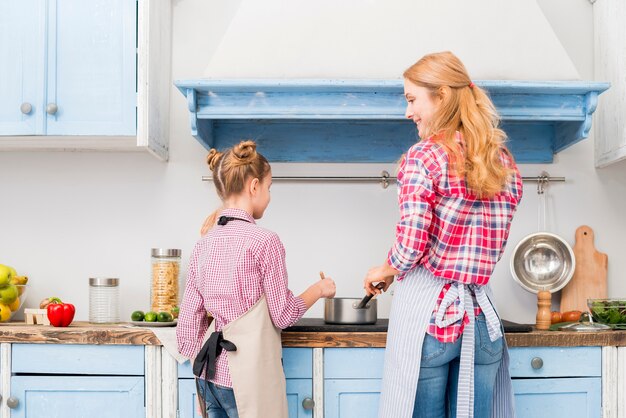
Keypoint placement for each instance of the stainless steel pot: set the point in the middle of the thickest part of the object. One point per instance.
(346, 311)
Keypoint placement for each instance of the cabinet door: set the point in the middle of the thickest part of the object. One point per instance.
(22, 25)
(570, 397)
(187, 399)
(102, 397)
(297, 391)
(345, 398)
(91, 76)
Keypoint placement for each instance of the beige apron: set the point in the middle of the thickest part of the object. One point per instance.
(256, 367)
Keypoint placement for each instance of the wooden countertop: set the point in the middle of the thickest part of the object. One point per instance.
(86, 333)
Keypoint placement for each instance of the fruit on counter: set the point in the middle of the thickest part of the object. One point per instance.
(15, 305)
(175, 311)
(150, 317)
(60, 314)
(137, 316)
(556, 317)
(5, 274)
(571, 316)
(5, 312)
(8, 294)
(47, 301)
(164, 317)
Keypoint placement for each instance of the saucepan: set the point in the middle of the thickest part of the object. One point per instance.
(351, 310)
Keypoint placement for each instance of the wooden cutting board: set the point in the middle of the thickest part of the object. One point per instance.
(589, 280)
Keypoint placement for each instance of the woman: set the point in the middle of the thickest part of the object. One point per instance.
(458, 190)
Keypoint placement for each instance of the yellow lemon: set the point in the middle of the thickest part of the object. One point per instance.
(15, 305)
(5, 312)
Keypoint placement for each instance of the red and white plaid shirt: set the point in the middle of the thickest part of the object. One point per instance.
(445, 228)
(230, 268)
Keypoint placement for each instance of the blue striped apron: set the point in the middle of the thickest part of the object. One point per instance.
(411, 310)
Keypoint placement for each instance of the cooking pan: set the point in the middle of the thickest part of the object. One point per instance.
(351, 310)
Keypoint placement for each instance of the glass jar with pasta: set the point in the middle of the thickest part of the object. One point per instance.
(165, 276)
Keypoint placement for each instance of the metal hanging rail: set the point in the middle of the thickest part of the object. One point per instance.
(385, 179)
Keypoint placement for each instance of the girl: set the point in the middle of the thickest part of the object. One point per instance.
(237, 274)
(458, 190)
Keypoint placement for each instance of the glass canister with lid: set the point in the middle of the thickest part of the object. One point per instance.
(104, 300)
(165, 276)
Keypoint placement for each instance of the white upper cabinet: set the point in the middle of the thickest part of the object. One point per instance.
(74, 74)
(610, 65)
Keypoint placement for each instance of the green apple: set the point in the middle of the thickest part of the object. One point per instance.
(5, 274)
(8, 294)
(13, 273)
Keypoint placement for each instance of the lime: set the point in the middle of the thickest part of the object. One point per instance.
(150, 317)
(164, 317)
(137, 316)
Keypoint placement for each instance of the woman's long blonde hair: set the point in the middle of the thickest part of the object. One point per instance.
(466, 108)
(231, 168)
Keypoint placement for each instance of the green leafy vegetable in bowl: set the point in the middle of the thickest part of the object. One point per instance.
(608, 311)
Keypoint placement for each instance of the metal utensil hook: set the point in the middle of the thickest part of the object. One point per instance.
(543, 180)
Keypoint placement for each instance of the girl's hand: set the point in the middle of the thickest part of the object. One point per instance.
(327, 287)
(375, 275)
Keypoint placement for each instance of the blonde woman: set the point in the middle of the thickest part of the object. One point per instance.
(458, 190)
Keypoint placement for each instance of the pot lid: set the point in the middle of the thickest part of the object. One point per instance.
(585, 327)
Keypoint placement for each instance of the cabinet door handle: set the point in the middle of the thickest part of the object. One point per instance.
(536, 363)
(12, 402)
(26, 108)
(308, 403)
(52, 108)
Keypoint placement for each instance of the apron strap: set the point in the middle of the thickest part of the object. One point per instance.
(209, 352)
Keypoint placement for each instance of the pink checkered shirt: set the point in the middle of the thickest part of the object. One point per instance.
(230, 268)
(445, 228)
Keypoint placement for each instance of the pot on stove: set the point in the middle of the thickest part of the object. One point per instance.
(347, 311)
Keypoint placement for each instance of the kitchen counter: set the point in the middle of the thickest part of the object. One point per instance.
(309, 332)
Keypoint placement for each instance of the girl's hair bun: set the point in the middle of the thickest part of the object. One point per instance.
(245, 152)
(213, 158)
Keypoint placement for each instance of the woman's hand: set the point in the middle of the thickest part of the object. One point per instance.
(375, 275)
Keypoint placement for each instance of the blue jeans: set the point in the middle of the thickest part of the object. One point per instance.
(439, 373)
(220, 401)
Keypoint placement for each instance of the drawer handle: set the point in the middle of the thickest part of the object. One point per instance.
(26, 108)
(52, 108)
(12, 402)
(536, 363)
(308, 403)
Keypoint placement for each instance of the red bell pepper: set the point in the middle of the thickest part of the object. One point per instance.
(60, 314)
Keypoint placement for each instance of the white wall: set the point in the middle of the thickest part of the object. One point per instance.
(65, 217)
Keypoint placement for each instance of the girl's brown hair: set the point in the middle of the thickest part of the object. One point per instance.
(231, 168)
(466, 108)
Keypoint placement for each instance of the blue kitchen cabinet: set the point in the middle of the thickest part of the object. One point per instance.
(352, 382)
(69, 67)
(557, 381)
(77, 381)
(298, 365)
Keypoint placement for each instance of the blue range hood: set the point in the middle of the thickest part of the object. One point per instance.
(362, 121)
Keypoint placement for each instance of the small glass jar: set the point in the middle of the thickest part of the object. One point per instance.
(165, 276)
(104, 300)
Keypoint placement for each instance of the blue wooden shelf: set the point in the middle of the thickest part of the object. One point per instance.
(363, 120)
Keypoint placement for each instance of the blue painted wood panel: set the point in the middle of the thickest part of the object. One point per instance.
(557, 361)
(353, 363)
(551, 398)
(22, 66)
(92, 67)
(79, 397)
(345, 398)
(187, 395)
(297, 363)
(297, 391)
(363, 120)
(78, 359)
